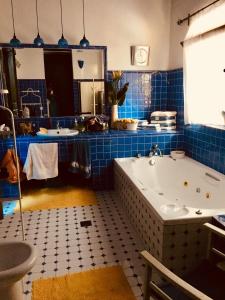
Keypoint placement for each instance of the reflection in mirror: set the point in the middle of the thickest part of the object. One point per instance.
(59, 82)
(93, 64)
(54, 82)
(92, 95)
(31, 84)
(88, 74)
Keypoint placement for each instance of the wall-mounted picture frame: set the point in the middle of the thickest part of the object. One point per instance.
(140, 55)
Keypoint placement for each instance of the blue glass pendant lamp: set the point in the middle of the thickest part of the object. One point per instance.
(84, 42)
(38, 41)
(62, 42)
(14, 42)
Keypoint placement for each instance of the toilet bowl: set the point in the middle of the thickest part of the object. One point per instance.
(16, 259)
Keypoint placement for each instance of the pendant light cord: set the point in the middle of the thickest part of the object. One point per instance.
(83, 19)
(13, 17)
(37, 16)
(61, 16)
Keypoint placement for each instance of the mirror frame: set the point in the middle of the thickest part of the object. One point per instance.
(78, 47)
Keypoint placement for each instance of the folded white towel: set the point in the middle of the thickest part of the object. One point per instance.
(41, 161)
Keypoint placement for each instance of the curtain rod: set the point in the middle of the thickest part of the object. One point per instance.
(180, 21)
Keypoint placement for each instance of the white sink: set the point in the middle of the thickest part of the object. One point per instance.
(59, 132)
(174, 210)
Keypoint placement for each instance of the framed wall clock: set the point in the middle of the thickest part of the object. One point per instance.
(139, 55)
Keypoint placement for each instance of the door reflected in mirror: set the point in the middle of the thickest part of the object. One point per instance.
(57, 82)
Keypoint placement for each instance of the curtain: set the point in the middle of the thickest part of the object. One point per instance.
(204, 64)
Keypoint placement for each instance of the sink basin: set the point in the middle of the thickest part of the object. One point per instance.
(174, 210)
(59, 132)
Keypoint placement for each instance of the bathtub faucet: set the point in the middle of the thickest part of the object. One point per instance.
(155, 150)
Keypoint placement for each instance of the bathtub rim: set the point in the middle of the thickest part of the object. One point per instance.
(192, 217)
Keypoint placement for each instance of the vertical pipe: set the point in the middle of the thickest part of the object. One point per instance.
(94, 110)
(17, 166)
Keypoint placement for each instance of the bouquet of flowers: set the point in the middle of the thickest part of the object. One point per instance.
(116, 91)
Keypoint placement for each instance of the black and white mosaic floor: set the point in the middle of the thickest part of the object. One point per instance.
(67, 247)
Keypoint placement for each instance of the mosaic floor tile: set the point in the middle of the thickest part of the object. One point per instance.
(66, 247)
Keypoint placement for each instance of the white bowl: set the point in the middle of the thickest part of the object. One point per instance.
(176, 154)
(132, 126)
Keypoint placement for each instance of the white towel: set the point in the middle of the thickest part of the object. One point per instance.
(41, 161)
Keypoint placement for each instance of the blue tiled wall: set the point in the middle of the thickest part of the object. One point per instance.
(207, 145)
(147, 92)
(137, 103)
(35, 84)
(161, 90)
(151, 91)
(175, 94)
(104, 147)
(126, 146)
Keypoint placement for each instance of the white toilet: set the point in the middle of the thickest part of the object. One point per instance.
(16, 259)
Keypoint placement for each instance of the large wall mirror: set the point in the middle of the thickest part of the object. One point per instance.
(54, 82)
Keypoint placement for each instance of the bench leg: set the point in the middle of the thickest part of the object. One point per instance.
(148, 278)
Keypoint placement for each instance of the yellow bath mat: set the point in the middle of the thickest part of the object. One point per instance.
(47, 198)
(100, 284)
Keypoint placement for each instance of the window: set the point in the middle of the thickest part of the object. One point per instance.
(204, 64)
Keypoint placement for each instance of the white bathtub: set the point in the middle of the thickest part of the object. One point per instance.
(177, 189)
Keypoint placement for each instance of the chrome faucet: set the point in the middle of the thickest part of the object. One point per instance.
(155, 150)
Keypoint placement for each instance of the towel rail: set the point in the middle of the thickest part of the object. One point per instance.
(34, 93)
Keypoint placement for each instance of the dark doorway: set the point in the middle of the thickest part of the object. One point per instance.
(59, 81)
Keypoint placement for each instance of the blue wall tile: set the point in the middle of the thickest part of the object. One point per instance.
(152, 91)
(207, 145)
(175, 95)
(147, 92)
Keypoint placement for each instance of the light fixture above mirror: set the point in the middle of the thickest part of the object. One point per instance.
(62, 42)
(38, 41)
(14, 42)
(84, 42)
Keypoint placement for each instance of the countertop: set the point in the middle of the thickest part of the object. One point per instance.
(94, 135)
